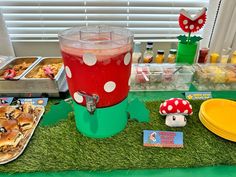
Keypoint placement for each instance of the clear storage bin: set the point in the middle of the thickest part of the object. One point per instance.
(161, 77)
(215, 77)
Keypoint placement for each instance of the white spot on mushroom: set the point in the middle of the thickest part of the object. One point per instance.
(89, 59)
(164, 104)
(163, 112)
(178, 111)
(191, 27)
(68, 72)
(190, 106)
(200, 21)
(78, 98)
(161, 105)
(127, 58)
(197, 27)
(184, 102)
(170, 108)
(176, 102)
(186, 111)
(109, 86)
(171, 99)
(185, 22)
(191, 113)
(186, 27)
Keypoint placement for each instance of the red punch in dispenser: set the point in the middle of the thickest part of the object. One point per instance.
(97, 61)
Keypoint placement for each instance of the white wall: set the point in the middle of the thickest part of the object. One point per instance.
(52, 48)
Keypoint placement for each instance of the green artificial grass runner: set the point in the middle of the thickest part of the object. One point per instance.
(61, 147)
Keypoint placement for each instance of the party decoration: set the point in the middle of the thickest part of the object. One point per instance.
(175, 110)
(187, 45)
(138, 111)
(57, 113)
(191, 24)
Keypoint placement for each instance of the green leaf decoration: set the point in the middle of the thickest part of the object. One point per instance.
(138, 111)
(195, 39)
(57, 113)
(182, 39)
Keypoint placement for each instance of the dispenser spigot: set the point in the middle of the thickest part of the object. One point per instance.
(91, 101)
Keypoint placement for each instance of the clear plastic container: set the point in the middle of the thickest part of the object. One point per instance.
(97, 61)
(215, 77)
(148, 77)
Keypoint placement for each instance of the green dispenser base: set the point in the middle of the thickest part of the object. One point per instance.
(105, 122)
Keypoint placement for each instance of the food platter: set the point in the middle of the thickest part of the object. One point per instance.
(30, 84)
(21, 65)
(9, 151)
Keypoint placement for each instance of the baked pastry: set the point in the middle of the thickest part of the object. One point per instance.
(6, 156)
(37, 111)
(14, 114)
(10, 139)
(25, 121)
(5, 110)
(9, 124)
(27, 108)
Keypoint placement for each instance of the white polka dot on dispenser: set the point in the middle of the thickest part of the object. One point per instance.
(68, 72)
(78, 98)
(89, 59)
(127, 58)
(109, 86)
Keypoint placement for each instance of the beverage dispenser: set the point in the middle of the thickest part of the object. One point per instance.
(97, 61)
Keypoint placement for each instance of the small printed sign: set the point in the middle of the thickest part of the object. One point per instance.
(34, 101)
(5, 101)
(198, 95)
(162, 139)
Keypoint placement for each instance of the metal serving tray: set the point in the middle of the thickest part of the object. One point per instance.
(19, 60)
(34, 87)
(25, 139)
(45, 85)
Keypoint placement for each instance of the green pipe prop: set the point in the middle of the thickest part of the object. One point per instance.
(186, 52)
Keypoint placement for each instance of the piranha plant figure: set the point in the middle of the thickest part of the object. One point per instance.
(175, 110)
(187, 45)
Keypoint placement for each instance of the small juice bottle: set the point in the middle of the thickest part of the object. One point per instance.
(137, 55)
(172, 56)
(148, 54)
(233, 58)
(224, 56)
(214, 57)
(160, 56)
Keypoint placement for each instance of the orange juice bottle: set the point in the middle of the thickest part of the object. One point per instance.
(233, 58)
(160, 56)
(148, 54)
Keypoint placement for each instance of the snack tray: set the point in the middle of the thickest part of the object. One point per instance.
(18, 60)
(16, 155)
(33, 87)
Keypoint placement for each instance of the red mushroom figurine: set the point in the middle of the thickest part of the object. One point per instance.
(175, 110)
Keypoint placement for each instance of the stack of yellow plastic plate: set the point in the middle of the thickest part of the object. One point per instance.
(219, 116)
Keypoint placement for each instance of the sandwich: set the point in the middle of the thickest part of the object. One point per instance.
(10, 140)
(5, 110)
(28, 108)
(9, 124)
(25, 121)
